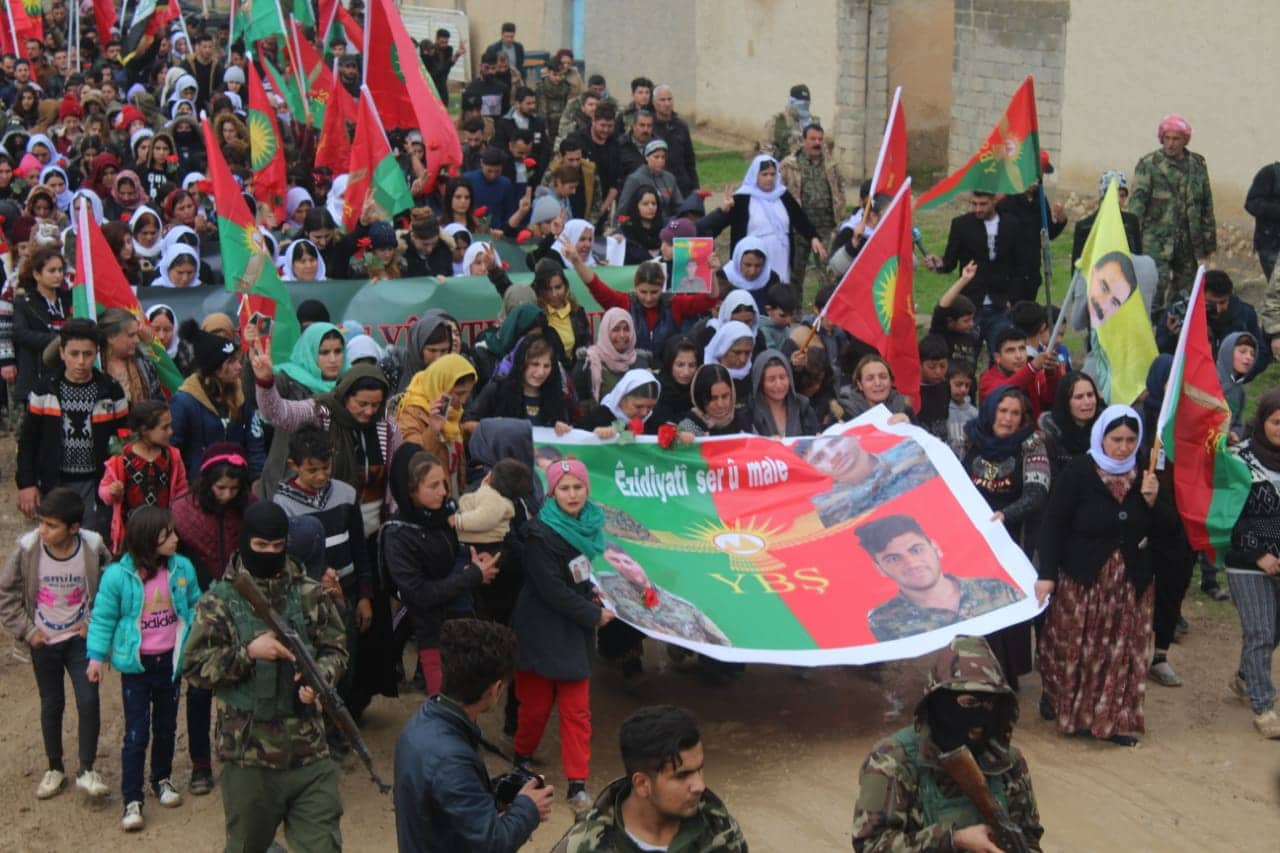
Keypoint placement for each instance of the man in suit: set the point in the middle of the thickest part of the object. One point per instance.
(990, 240)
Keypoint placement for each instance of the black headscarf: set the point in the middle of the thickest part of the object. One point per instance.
(981, 433)
(674, 399)
(1265, 452)
(406, 508)
(346, 430)
(496, 439)
(1075, 438)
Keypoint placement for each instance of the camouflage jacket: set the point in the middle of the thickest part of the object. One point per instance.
(217, 657)
(903, 770)
(900, 617)
(1168, 196)
(711, 830)
(553, 98)
(783, 134)
(792, 178)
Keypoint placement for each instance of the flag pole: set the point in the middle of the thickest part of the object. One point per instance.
(884, 142)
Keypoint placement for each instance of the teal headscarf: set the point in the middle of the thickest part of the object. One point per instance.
(586, 532)
(302, 365)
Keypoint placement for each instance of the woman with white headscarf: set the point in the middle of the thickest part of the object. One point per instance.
(333, 201)
(145, 226)
(580, 234)
(55, 178)
(1095, 560)
(761, 207)
(178, 267)
(750, 269)
(631, 401)
(460, 240)
(302, 261)
(297, 201)
(732, 347)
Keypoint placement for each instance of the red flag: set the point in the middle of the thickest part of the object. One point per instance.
(27, 21)
(372, 171)
(1007, 162)
(403, 92)
(6, 33)
(874, 301)
(891, 165)
(334, 148)
(266, 153)
(104, 19)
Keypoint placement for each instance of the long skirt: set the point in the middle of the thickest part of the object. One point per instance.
(1096, 651)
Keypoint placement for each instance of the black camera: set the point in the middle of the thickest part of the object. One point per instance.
(507, 785)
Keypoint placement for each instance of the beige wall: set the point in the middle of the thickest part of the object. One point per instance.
(1218, 71)
(921, 47)
(750, 54)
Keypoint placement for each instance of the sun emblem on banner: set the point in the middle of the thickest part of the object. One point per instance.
(262, 140)
(884, 292)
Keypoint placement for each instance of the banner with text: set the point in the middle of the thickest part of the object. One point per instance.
(865, 544)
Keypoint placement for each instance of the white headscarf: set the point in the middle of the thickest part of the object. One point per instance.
(453, 229)
(175, 234)
(138, 249)
(285, 262)
(362, 346)
(333, 202)
(186, 81)
(749, 186)
(573, 229)
(630, 381)
(724, 339)
(63, 199)
(40, 139)
(172, 349)
(295, 197)
(734, 300)
(475, 250)
(1109, 416)
(733, 272)
(95, 205)
(177, 250)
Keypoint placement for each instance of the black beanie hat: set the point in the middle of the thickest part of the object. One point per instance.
(212, 351)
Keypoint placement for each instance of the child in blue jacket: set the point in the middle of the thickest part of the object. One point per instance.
(141, 618)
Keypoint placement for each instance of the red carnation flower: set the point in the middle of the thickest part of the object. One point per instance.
(172, 158)
(506, 266)
(204, 187)
(650, 597)
(364, 242)
(666, 436)
(636, 425)
(480, 211)
(624, 218)
(524, 235)
(529, 162)
(704, 193)
(126, 216)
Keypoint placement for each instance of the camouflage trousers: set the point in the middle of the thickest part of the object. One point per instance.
(1269, 315)
(802, 255)
(256, 800)
(1177, 273)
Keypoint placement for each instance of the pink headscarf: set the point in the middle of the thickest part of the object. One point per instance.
(1173, 122)
(560, 467)
(602, 354)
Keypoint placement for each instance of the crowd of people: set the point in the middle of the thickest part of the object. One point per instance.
(356, 484)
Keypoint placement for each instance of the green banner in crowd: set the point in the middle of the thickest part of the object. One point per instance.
(386, 308)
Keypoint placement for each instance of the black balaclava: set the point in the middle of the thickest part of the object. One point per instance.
(949, 722)
(263, 520)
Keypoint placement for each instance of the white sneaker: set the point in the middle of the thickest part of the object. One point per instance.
(168, 794)
(91, 782)
(132, 821)
(51, 784)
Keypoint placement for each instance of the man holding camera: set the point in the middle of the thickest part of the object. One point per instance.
(444, 798)
(663, 802)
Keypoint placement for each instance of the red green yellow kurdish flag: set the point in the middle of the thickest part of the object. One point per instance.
(266, 153)
(373, 172)
(100, 284)
(403, 91)
(1007, 162)
(874, 301)
(1210, 482)
(247, 264)
(1119, 326)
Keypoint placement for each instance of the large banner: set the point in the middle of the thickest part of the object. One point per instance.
(385, 308)
(865, 544)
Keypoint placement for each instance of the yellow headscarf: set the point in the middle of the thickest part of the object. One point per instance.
(432, 383)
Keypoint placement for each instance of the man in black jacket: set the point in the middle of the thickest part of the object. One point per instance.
(507, 44)
(600, 146)
(71, 417)
(443, 796)
(991, 240)
(1263, 204)
(1024, 208)
(675, 131)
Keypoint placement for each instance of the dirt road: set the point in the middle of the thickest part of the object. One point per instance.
(783, 752)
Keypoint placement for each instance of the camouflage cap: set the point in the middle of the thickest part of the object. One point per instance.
(967, 665)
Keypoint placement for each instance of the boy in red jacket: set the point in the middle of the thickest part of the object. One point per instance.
(1038, 377)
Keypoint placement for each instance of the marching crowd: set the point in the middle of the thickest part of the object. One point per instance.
(356, 484)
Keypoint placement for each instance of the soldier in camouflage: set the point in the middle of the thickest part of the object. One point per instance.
(927, 598)
(553, 98)
(1171, 197)
(663, 802)
(814, 182)
(784, 132)
(271, 734)
(1270, 313)
(907, 802)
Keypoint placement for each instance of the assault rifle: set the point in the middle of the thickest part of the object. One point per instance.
(964, 771)
(328, 697)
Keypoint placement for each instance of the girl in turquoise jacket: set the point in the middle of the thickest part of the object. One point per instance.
(141, 617)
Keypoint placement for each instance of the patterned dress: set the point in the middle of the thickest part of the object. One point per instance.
(1097, 645)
